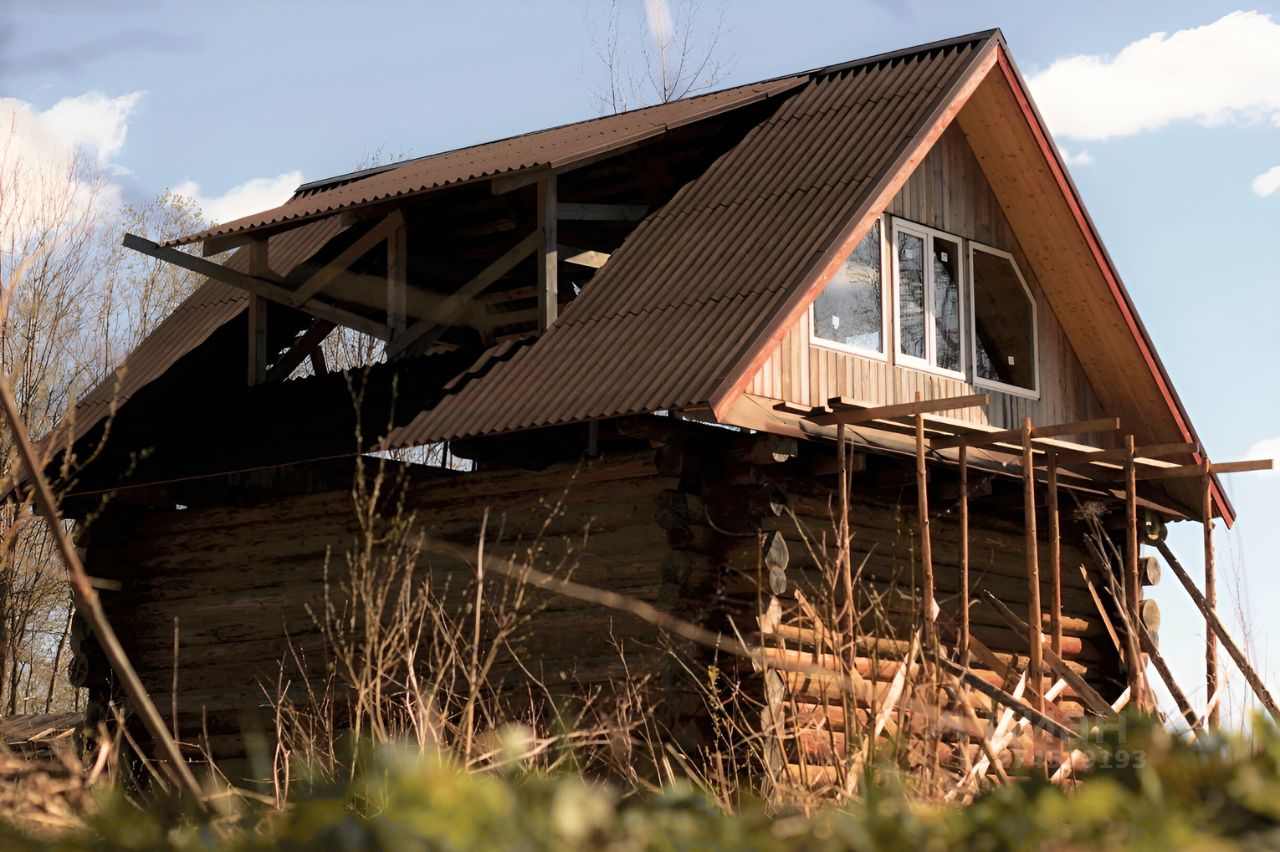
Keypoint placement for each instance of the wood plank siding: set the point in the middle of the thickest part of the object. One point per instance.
(948, 192)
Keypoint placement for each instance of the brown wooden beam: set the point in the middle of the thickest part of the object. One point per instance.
(853, 416)
(326, 275)
(397, 280)
(601, 212)
(1132, 585)
(255, 286)
(1189, 470)
(1215, 624)
(1055, 560)
(548, 254)
(1211, 598)
(302, 348)
(427, 330)
(926, 537)
(1014, 436)
(964, 555)
(1121, 455)
(1034, 665)
(257, 315)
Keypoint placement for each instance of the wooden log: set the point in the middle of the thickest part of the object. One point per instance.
(1220, 631)
(1211, 672)
(1034, 663)
(1133, 586)
(1055, 560)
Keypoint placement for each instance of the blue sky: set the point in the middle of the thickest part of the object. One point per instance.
(206, 97)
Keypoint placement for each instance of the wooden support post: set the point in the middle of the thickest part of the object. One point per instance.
(397, 280)
(1055, 560)
(1215, 624)
(1211, 597)
(964, 554)
(1132, 584)
(1034, 657)
(548, 255)
(926, 543)
(257, 314)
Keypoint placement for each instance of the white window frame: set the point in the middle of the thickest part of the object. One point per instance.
(885, 307)
(927, 364)
(992, 384)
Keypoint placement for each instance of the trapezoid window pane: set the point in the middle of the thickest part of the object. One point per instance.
(1004, 322)
(911, 305)
(946, 304)
(850, 309)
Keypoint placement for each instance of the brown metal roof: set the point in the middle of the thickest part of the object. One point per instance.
(553, 148)
(211, 306)
(682, 301)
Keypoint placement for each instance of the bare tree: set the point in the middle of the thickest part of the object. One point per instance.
(654, 52)
(72, 304)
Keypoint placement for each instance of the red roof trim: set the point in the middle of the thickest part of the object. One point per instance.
(1123, 300)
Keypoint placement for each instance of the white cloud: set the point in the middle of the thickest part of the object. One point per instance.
(43, 155)
(1267, 182)
(658, 15)
(1223, 72)
(1268, 448)
(252, 196)
(1078, 158)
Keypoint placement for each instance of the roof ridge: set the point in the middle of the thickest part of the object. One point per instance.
(360, 174)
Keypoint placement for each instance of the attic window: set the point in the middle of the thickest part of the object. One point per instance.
(849, 312)
(927, 278)
(1004, 323)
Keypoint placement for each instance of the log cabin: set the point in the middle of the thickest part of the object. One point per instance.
(835, 362)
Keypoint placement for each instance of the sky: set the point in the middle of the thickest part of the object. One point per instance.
(1168, 112)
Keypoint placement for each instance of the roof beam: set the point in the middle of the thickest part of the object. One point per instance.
(1119, 455)
(548, 254)
(853, 416)
(427, 330)
(303, 347)
(325, 275)
(255, 286)
(1014, 436)
(602, 212)
(1206, 468)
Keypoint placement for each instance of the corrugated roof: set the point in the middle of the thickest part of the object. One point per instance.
(680, 303)
(211, 306)
(552, 148)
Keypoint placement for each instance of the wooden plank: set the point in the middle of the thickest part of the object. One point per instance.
(305, 346)
(1120, 455)
(906, 409)
(1211, 673)
(583, 257)
(964, 555)
(397, 280)
(255, 286)
(1014, 436)
(548, 254)
(427, 329)
(1034, 664)
(1087, 693)
(256, 359)
(1132, 583)
(1189, 470)
(326, 275)
(1216, 625)
(1055, 560)
(926, 540)
(577, 212)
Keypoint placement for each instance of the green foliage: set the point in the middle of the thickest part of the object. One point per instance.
(1223, 792)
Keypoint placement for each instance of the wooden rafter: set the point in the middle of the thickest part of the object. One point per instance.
(602, 212)
(256, 286)
(302, 348)
(548, 254)
(328, 273)
(1014, 436)
(428, 329)
(851, 413)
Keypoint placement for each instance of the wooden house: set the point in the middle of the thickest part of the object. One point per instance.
(695, 331)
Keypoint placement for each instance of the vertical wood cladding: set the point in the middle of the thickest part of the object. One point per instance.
(948, 192)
